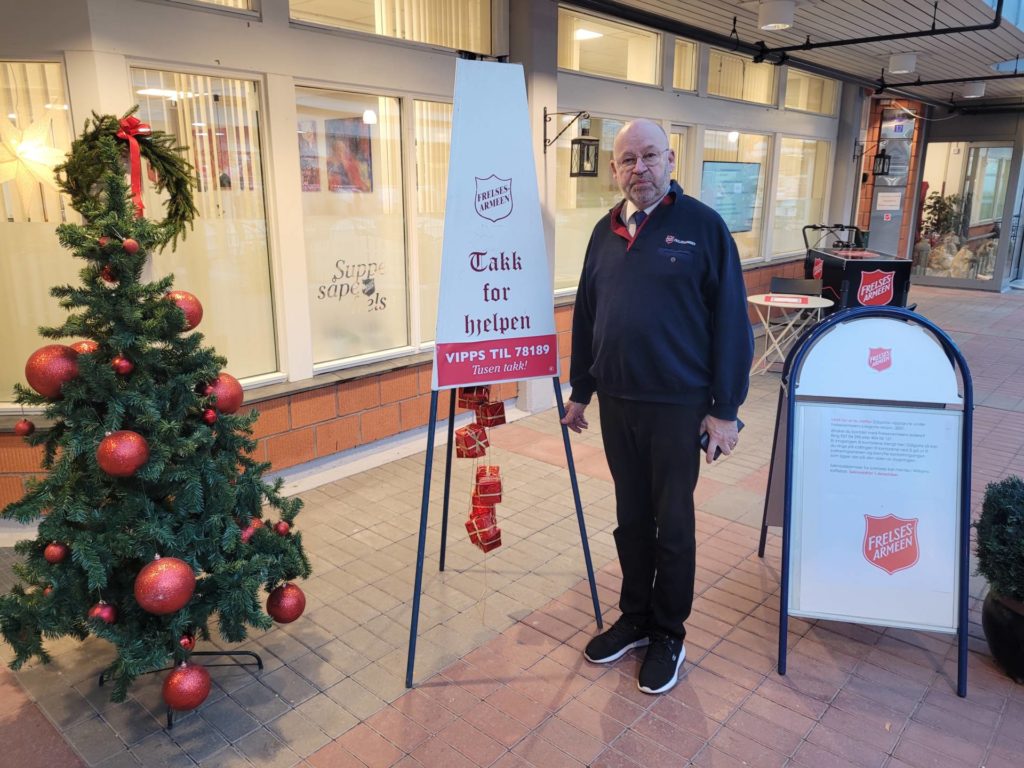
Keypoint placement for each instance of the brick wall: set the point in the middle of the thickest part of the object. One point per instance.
(296, 428)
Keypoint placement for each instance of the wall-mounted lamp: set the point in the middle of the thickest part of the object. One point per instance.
(773, 15)
(583, 149)
(973, 90)
(369, 117)
(902, 63)
(880, 165)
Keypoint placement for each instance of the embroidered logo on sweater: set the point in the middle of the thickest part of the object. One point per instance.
(669, 239)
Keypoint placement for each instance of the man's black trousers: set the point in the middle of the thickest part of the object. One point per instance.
(654, 455)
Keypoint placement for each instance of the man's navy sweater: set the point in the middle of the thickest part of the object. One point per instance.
(662, 316)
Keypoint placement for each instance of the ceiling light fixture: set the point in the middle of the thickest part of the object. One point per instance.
(369, 117)
(586, 34)
(973, 90)
(773, 15)
(902, 63)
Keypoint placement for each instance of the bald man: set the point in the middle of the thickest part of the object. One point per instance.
(661, 335)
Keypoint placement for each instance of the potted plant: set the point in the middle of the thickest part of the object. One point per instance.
(943, 215)
(1001, 561)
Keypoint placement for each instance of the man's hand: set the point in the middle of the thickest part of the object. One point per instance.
(574, 418)
(721, 434)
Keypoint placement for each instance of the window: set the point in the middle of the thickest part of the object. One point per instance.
(597, 46)
(460, 24)
(800, 196)
(242, 5)
(677, 143)
(737, 77)
(582, 201)
(991, 175)
(810, 93)
(433, 141)
(224, 260)
(35, 130)
(733, 180)
(684, 68)
(354, 222)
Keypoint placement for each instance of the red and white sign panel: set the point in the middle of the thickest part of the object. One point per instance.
(496, 318)
(782, 298)
(876, 287)
(875, 515)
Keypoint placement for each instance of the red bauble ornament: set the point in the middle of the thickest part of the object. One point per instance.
(256, 522)
(47, 591)
(85, 346)
(130, 245)
(281, 528)
(103, 242)
(122, 453)
(187, 641)
(188, 304)
(24, 428)
(286, 603)
(108, 274)
(209, 416)
(186, 687)
(122, 365)
(56, 552)
(105, 612)
(49, 367)
(228, 392)
(247, 534)
(164, 586)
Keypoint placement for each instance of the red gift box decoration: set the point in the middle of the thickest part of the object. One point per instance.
(483, 527)
(490, 414)
(488, 484)
(471, 397)
(471, 441)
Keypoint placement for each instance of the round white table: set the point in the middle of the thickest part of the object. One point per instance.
(779, 336)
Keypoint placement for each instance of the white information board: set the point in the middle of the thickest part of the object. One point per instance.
(496, 317)
(875, 515)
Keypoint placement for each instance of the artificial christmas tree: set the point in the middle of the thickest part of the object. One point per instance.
(150, 517)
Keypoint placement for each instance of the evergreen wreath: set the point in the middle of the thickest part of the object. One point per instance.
(79, 177)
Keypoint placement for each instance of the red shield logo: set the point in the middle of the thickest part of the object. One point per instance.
(876, 288)
(890, 543)
(817, 269)
(880, 358)
(493, 199)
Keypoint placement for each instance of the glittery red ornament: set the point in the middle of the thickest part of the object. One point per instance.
(85, 346)
(103, 242)
(281, 528)
(122, 365)
(108, 274)
(247, 534)
(130, 245)
(47, 591)
(187, 641)
(210, 416)
(24, 428)
(122, 453)
(105, 612)
(188, 304)
(164, 586)
(256, 522)
(186, 687)
(56, 552)
(228, 392)
(286, 603)
(49, 367)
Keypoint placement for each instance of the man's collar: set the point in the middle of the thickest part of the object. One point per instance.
(627, 208)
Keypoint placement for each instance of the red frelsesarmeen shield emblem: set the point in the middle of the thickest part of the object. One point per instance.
(818, 269)
(876, 288)
(890, 543)
(493, 199)
(880, 358)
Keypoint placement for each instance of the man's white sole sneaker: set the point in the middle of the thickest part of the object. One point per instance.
(671, 683)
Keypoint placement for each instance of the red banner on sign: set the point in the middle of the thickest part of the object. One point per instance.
(494, 360)
(890, 542)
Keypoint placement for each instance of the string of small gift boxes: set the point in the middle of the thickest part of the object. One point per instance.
(471, 443)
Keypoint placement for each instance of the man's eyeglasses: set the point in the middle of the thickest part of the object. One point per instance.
(650, 160)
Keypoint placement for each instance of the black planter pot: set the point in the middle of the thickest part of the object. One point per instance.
(1003, 621)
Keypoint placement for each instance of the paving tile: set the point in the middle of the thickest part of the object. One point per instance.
(327, 715)
(160, 751)
(288, 685)
(260, 701)
(472, 741)
(197, 738)
(265, 750)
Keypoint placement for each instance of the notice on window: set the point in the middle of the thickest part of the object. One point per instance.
(731, 189)
(888, 201)
(495, 319)
(875, 514)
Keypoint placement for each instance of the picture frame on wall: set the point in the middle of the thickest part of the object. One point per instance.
(349, 160)
(309, 156)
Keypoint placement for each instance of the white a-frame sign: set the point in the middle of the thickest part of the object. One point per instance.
(495, 319)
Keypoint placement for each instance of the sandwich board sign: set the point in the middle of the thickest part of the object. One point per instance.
(496, 317)
(873, 453)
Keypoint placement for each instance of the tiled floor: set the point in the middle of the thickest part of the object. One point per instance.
(500, 679)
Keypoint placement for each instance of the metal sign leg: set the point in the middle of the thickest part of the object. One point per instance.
(579, 505)
(424, 505)
(447, 477)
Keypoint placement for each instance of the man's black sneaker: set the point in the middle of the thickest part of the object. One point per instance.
(613, 644)
(660, 670)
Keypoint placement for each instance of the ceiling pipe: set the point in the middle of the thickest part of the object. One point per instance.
(681, 29)
(881, 85)
(764, 51)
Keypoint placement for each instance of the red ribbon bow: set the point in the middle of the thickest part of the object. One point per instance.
(131, 127)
